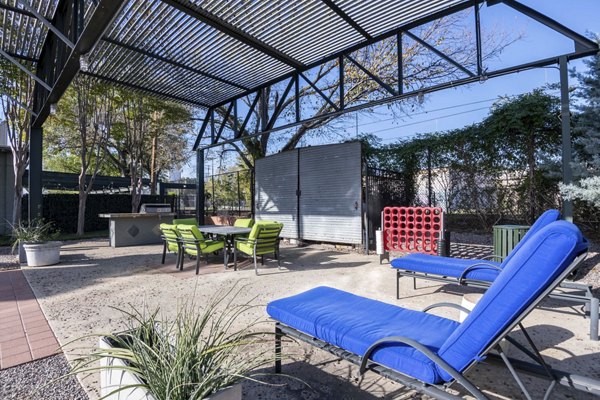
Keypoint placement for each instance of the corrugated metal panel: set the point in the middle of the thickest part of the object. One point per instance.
(276, 185)
(330, 199)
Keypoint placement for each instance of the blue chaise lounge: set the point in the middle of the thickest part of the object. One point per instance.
(426, 266)
(482, 272)
(424, 351)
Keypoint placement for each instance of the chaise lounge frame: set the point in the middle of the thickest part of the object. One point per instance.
(539, 369)
(578, 292)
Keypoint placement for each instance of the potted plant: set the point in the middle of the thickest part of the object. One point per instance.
(35, 238)
(195, 355)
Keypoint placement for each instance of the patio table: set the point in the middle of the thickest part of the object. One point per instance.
(228, 232)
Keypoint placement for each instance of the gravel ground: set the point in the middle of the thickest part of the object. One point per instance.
(77, 296)
(101, 275)
(7, 259)
(20, 382)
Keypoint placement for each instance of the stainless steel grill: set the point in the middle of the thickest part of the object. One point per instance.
(155, 208)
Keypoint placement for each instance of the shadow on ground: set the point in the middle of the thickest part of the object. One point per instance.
(84, 264)
(310, 373)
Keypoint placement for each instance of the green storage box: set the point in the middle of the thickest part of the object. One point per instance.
(506, 238)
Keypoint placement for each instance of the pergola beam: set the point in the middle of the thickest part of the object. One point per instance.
(140, 88)
(371, 75)
(431, 89)
(102, 17)
(21, 57)
(25, 70)
(231, 30)
(46, 23)
(375, 39)
(16, 10)
(355, 25)
(439, 53)
(18, 103)
(172, 62)
(581, 42)
(319, 91)
(392, 94)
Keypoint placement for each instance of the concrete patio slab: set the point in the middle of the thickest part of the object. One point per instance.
(80, 296)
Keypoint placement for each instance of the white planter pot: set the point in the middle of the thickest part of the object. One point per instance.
(113, 378)
(40, 254)
(22, 255)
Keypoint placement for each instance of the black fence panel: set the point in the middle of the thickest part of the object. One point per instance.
(384, 188)
(61, 209)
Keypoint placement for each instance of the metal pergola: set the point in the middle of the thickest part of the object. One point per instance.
(224, 56)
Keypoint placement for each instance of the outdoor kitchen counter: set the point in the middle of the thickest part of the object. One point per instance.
(134, 229)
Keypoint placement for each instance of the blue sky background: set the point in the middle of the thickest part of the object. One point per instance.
(472, 102)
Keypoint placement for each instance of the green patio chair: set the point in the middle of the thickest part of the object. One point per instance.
(185, 221)
(263, 239)
(244, 222)
(194, 244)
(171, 243)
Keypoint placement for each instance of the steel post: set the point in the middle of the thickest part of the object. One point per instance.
(594, 315)
(278, 336)
(566, 134)
(35, 173)
(200, 186)
(239, 195)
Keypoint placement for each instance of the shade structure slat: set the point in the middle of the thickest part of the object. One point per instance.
(194, 60)
(304, 30)
(210, 52)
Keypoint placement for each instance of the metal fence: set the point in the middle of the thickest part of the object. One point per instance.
(230, 193)
(383, 188)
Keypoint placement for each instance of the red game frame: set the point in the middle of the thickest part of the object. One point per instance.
(412, 229)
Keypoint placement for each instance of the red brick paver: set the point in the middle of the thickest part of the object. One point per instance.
(24, 332)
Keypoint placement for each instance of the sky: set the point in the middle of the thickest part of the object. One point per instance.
(471, 103)
(465, 105)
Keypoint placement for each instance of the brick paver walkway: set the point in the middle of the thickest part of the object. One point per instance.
(24, 332)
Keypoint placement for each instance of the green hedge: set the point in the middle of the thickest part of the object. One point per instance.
(61, 209)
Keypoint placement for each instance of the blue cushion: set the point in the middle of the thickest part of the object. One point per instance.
(545, 219)
(446, 266)
(545, 255)
(454, 267)
(354, 323)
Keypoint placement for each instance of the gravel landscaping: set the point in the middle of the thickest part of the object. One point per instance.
(22, 381)
(7, 259)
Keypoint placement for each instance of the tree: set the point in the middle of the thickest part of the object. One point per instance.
(170, 122)
(134, 110)
(148, 137)
(82, 127)
(588, 118)
(525, 131)
(492, 168)
(16, 90)
(587, 127)
(421, 68)
(588, 190)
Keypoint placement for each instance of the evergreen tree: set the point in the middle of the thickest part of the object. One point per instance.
(588, 119)
(587, 166)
